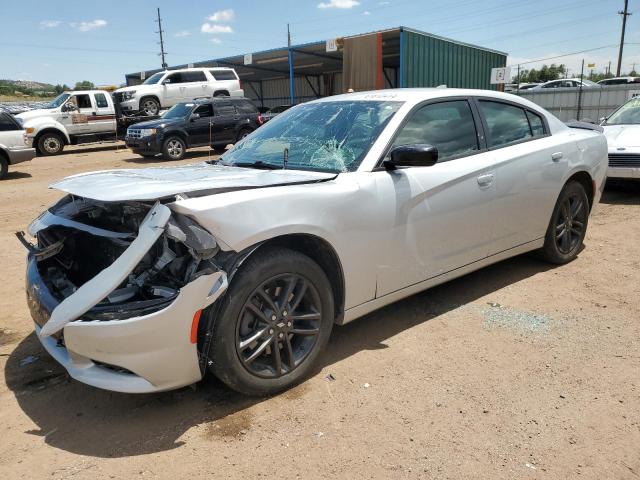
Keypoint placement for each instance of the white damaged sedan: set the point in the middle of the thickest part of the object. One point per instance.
(143, 280)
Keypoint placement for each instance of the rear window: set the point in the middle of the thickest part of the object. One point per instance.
(246, 107)
(7, 123)
(537, 125)
(101, 100)
(506, 123)
(223, 74)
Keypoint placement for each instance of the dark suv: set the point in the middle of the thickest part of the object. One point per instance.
(216, 122)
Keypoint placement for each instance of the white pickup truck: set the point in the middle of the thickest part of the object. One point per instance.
(165, 89)
(74, 118)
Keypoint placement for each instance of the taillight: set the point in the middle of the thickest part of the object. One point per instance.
(194, 326)
(260, 119)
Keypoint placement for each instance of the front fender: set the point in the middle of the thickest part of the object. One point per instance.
(42, 124)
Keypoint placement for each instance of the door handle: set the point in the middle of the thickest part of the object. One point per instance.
(556, 156)
(485, 180)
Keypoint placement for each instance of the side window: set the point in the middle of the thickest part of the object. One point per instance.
(246, 107)
(174, 78)
(223, 74)
(224, 109)
(448, 126)
(536, 123)
(203, 110)
(193, 77)
(506, 123)
(101, 100)
(83, 101)
(7, 124)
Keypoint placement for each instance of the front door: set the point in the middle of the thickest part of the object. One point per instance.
(437, 218)
(174, 89)
(200, 128)
(79, 109)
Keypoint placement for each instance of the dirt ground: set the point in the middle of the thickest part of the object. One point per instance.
(520, 370)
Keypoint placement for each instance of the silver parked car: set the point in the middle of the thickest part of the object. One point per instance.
(622, 129)
(143, 280)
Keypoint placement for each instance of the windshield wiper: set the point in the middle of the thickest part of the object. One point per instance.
(257, 164)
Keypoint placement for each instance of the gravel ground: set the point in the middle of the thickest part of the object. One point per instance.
(520, 370)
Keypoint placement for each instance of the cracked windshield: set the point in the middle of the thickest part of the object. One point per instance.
(325, 136)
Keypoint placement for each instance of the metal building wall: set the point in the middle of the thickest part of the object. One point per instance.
(430, 61)
(596, 102)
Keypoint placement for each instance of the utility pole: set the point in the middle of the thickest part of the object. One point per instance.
(160, 31)
(625, 13)
(292, 86)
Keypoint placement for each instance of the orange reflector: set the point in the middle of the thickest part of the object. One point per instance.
(194, 326)
(30, 130)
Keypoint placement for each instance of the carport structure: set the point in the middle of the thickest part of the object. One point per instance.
(394, 58)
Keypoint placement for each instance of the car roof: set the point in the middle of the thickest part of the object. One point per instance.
(196, 69)
(418, 94)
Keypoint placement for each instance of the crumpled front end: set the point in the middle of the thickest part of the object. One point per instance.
(117, 289)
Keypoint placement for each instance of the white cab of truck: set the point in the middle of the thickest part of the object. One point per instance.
(165, 89)
(70, 119)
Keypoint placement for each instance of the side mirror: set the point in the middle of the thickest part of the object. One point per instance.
(418, 155)
(601, 120)
(166, 81)
(69, 107)
(195, 116)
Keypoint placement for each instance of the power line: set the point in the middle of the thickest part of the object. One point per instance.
(568, 54)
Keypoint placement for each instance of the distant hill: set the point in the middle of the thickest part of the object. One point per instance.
(27, 87)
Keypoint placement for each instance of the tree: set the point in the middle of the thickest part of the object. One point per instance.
(546, 73)
(84, 85)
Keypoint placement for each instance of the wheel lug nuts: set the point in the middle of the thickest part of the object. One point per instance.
(273, 317)
(271, 331)
(284, 314)
(280, 335)
(288, 324)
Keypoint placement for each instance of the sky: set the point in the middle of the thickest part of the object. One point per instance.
(65, 42)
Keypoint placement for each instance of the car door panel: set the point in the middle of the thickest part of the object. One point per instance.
(224, 122)
(102, 119)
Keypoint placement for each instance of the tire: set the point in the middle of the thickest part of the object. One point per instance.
(173, 148)
(150, 106)
(219, 149)
(243, 133)
(568, 225)
(4, 167)
(50, 143)
(240, 333)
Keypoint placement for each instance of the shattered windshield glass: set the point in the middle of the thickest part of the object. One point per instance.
(325, 136)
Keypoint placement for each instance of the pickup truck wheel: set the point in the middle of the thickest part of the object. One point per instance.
(273, 323)
(149, 106)
(173, 148)
(50, 143)
(568, 225)
(4, 167)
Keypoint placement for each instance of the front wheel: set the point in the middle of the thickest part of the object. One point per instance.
(568, 225)
(149, 106)
(173, 148)
(4, 167)
(274, 322)
(50, 143)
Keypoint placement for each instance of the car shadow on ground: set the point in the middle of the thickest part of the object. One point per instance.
(88, 421)
(619, 191)
(92, 148)
(13, 175)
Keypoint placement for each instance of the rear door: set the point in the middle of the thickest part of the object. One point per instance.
(224, 122)
(103, 118)
(530, 165)
(11, 133)
(195, 84)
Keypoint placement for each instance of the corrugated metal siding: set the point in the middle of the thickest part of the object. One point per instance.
(430, 61)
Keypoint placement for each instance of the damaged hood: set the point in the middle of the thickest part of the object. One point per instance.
(155, 183)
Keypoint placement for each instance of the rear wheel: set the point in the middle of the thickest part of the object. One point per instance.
(274, 322)
(568, 225)
(149, 106)
(221, 94)
(173, 148)
(50, 143)
(242, 133)
(4, 167)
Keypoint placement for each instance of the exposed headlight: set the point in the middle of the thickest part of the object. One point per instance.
(128, 95)
(147, 132)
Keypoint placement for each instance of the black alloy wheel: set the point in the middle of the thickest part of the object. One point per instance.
(279, 326)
